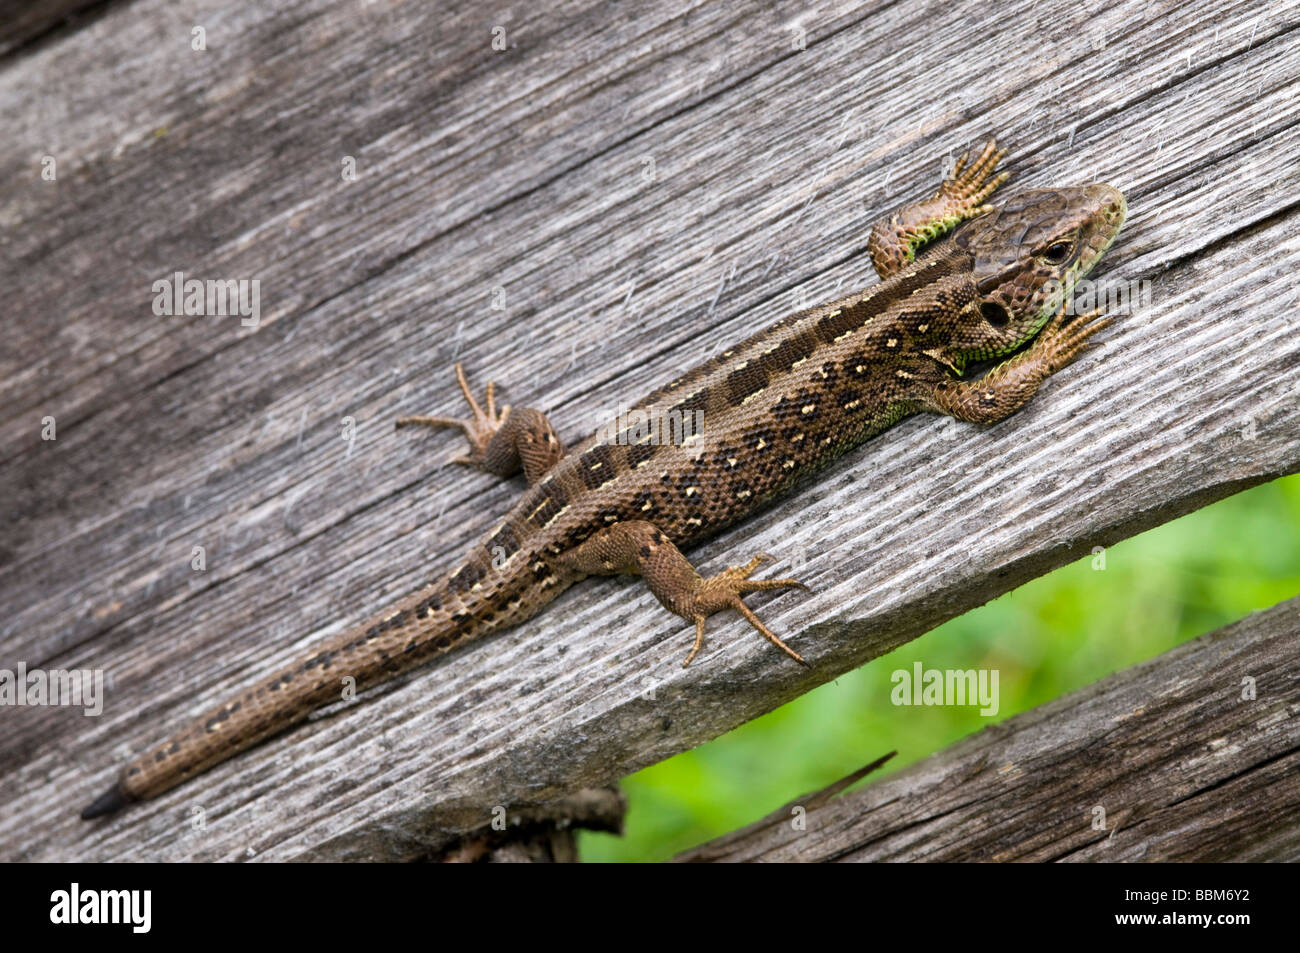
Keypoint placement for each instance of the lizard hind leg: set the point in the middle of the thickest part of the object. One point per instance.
(637, 546)
(501, 443)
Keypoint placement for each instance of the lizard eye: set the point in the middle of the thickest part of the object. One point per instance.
(1057, 252)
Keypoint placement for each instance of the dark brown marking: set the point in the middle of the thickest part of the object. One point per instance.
(506, 539)
(551, 501)
(468, 575)
(779, 360)
(215, 720)
(698, 402)
(745, 381)
(596, 467)
(836, 323)
(641, 452)
(801, 347)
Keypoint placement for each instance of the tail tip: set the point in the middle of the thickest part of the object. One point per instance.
(108, 802)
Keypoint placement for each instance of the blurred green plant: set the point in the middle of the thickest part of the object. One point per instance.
(1050, 636)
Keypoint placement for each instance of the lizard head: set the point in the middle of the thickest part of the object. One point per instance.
(1027, 255)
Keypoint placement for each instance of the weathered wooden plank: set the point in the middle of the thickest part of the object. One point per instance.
(183, 432)
(1191, 756)
(441, 126)
(545, 834)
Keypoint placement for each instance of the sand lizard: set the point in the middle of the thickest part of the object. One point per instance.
(776, 408)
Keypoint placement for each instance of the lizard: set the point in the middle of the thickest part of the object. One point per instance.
(961, 281)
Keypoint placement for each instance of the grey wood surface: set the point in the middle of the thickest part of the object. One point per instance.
(1191, 756)
(527, 170)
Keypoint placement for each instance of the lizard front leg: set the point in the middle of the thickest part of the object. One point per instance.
(636, 546)
(1010, 385)
(895, 240)
(502, 443)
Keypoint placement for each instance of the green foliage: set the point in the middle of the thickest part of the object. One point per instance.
(1049, 637)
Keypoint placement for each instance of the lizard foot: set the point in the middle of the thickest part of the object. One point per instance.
(963, 193)
(1062, 341)
(479, 429)
(724, 590)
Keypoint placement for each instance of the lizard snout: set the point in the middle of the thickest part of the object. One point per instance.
(1110, 201)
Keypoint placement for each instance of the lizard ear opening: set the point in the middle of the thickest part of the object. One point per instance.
(995, 314)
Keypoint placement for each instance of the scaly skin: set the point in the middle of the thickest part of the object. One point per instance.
(776, 408)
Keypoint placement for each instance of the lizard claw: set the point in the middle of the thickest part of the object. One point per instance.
(479, 429)
(724, 590)
(1062, 341)
(966, 189)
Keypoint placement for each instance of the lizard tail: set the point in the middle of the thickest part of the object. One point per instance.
(434, 620)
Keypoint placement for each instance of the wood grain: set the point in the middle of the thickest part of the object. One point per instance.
(525, 170)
